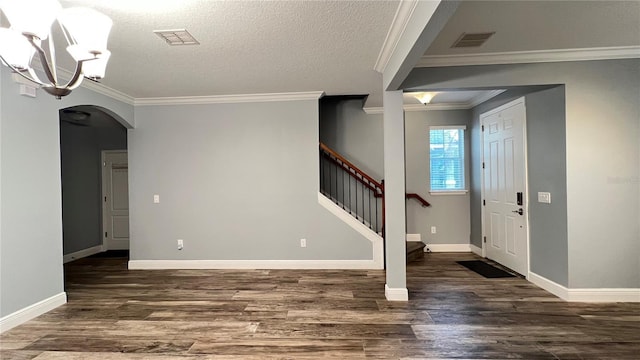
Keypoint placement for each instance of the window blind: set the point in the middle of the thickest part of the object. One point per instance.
(446, 155)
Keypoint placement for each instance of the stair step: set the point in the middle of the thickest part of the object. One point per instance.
(415, 250)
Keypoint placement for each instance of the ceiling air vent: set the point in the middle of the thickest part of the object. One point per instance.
(177, 37)
(472, 40)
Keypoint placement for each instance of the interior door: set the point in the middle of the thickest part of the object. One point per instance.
(115, 192)
(504, 185)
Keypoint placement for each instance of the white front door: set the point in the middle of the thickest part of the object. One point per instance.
(115, 200)
(504, 186)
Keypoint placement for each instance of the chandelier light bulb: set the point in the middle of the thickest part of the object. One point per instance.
(87, 27)
(31, 17)
(16, 49)
(85, 30)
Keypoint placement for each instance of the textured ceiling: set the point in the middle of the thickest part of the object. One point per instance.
(246, 47)
(250, 47)
(542, 25)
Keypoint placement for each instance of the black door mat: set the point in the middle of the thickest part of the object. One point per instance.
(111, 254)
(487, 270)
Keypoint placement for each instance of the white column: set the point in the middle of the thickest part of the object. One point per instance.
(394, 197)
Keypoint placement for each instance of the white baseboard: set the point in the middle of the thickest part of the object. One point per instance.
(586, 295)
(556, 289)
(476, 250)
(396, 294)
(82, 253)
(604, 295)
(25, 314)
(447, 248)
(254, 264)
(414, 237)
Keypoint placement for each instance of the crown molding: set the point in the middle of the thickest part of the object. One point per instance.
(431, 107)
(229, 99)
(484, 97)
(107, 91)
(442, 106)
(94, 86)
(99, 88)
(398, 25)
(538, 56)
(420, 107)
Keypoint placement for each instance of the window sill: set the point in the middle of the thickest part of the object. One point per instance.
(448, 192)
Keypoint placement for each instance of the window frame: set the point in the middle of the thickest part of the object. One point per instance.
(459, 191)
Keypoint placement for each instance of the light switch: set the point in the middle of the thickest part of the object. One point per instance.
(544, 197)
(156, 199)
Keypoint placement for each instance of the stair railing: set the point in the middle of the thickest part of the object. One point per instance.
(354, 190)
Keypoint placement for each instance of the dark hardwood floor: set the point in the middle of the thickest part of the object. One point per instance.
(114, 313)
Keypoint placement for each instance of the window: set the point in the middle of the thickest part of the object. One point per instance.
(446, 155)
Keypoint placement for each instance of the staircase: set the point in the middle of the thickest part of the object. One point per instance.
(360, 195)
(415, 251)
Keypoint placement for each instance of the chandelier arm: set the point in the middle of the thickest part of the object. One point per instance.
(76, 79)
(35, 80)
(52, 58)
(44, 60)
(35, 76)
(64, 31)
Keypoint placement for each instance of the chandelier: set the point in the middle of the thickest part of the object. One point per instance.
(31, 21)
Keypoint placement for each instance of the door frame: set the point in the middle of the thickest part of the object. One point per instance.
(526, 177)
(103, 186)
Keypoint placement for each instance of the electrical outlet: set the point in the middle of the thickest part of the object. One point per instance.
(156, 199)
(303, 243)
(180, 244)
(433, 230)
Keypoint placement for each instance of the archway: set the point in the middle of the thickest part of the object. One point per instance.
(87, 133)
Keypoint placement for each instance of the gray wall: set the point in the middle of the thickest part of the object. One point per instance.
(448, 213)
(81, 148)
(357, 136)
(602, 157)
(346, 128)
(236, 181)
(546, 151)
(31, 241)
(31, 252)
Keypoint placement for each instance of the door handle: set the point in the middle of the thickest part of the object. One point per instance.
(519, 211)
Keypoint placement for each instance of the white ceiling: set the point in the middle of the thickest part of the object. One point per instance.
(253, 47)
(541, 25)
(247, 47)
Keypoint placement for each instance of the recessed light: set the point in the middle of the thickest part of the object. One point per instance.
(177, 37)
